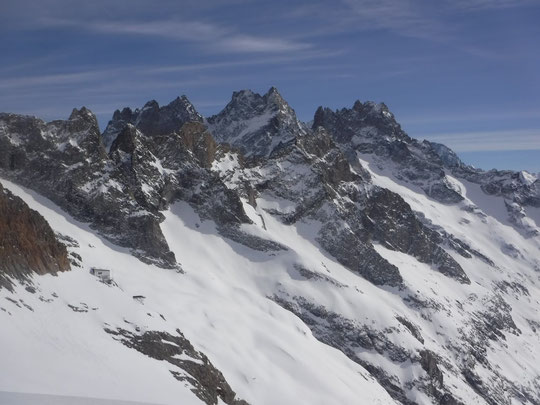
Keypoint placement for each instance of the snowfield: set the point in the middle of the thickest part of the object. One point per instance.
(266, 353)
(17, 398)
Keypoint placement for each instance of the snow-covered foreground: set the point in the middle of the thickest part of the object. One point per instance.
(17, 398)
(53, 341)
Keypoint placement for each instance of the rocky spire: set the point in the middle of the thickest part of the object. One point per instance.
(152, 119)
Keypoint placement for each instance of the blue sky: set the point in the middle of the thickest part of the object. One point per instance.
(461, 72)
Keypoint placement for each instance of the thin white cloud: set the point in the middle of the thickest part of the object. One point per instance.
(31, 81)
(246, 43)
(421, 18)
(473, 5)
(106, 74)
(503, 140)
(266, 60)
(407, 18)
(212, 36)
(434, 22)
(183, 31)
(146, 76)
(463, 117)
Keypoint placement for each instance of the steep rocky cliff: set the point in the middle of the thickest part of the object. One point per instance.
(28, 245)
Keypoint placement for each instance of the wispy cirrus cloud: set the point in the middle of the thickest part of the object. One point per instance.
(247, 43)
(31, 81)
(406, 18)
(413, 19)
(175, 30)
(440, 23)
(284, 60)
(505, 140)
(471, 117)
(421, 18)
(212, 36)
(473, 5)
(146, 73)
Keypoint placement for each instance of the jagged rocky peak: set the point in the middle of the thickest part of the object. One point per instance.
(199, 142)
(371, 130)
(152, 119)
(82, 113)
(256, 123)
(317, 143)
(246, 103)
(82, 130)
(82, 120)
(78, 135)
(126, 140)
(447, 155)
(364, 121)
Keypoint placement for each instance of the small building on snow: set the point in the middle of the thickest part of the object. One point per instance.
(102, 274)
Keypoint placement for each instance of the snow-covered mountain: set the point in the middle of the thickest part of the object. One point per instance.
(257, 260)
(256, 124)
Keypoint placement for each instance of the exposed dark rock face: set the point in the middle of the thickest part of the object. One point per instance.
(199, 141)
(121, 193)
(311, 275)
(367, 118)
(314, 175)
(152, 119)
(28, 245)
(412, 328)
(460, 246)
(67, 162)
(185, 157)
(353, 338)
(208, 383)
(435, 382)
(254, 242)
(372, 129)
(256, 124)
(429, 363)
(391, 221)
(357, 255)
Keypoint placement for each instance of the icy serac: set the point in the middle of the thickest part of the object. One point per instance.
(339, 264)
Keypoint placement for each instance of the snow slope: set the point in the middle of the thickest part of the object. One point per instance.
(17, 398)
(267, 354)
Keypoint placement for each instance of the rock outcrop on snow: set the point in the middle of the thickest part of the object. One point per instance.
(208, 382)
(28, 245)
